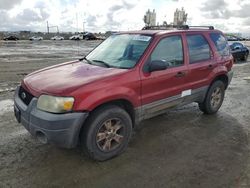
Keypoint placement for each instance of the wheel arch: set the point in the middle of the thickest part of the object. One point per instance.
(223, 78)
(123, 103)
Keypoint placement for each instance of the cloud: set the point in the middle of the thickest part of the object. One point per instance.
(4, 19)
(28, 16)
(8, 4)
(215, 9)
(211, 5)
(127, 5)
(247, 22)
(91, 21)
(114, 10)
(98, 15)
(243, 12)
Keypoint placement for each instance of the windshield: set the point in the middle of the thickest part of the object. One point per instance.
(120, 51)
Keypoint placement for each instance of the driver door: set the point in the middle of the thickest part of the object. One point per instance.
(164, 89)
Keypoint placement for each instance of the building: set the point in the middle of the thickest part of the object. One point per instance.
(180, 17)
(150, 18)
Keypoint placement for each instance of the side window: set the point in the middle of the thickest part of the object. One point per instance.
(198, 48)
(221, 44)
(237, 45)
(170, 50)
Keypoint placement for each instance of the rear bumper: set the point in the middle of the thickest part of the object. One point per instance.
(59, 129)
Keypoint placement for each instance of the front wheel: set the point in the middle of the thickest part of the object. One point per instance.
(106, 133)
(214, 98)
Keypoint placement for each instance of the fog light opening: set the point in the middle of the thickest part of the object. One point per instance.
(41, 137)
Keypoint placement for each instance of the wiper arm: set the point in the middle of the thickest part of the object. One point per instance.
(102, 62)
(84, 58)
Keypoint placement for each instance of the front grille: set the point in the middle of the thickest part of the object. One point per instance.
(25, 96)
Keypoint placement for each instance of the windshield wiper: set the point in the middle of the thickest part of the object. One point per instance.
(102, 62)
(84, 58)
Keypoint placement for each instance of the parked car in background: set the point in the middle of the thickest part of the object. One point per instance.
(239, 51)
(11, 37)
(247, 38)
(36, 38)
(76, 37)
(232, 38)
(89, 36)
(57, 38)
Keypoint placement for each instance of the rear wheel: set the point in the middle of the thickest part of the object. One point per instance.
(244, 58)
(106, 133)
(214, 98)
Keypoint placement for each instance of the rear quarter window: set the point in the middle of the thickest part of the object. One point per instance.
(198, 48)
(220, 43)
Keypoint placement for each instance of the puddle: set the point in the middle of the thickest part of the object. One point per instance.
(6, 106)
(7, 89)
(247, 78)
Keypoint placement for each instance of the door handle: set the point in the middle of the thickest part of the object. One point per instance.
(210, 66)
(180, 74)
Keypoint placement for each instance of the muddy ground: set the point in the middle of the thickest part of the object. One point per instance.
(182, 148)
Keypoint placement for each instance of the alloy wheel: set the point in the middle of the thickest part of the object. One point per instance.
(110, 135)
(216, 98)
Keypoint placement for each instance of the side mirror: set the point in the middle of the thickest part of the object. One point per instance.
(157, 65)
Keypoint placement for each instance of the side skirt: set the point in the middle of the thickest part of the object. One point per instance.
(159, 107)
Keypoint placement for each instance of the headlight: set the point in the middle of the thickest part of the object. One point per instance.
(55, 104)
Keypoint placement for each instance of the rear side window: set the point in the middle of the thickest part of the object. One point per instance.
(221, 43)
(170, 50)
(198, 48)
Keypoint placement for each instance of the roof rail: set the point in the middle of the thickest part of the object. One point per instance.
(208, 27)
(170, 27)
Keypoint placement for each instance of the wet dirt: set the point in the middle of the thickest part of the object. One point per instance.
(181, 148)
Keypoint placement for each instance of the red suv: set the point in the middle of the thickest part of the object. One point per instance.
(129, 77)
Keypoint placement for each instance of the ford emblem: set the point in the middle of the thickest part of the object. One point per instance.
(23, 95)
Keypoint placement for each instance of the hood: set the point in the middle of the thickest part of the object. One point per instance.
(66, 77)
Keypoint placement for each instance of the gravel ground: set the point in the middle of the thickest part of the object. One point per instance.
(181, 148)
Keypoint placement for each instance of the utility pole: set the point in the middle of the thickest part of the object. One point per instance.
(77, 22)
(47, 26)
(83, 26)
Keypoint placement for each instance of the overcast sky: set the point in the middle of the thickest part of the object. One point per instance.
(103, 15)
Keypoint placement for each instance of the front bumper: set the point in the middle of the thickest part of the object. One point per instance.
(230, 76)
(59, 129)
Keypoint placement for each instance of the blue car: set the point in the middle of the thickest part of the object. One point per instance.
(239, 51)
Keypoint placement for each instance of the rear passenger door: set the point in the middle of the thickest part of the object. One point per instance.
(200, 61)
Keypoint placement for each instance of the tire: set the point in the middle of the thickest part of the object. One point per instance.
(244, 58)
(214, 98)
(106, 133)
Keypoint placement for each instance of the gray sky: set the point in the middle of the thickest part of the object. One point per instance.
(103, 15)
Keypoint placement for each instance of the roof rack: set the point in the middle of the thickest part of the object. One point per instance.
(170, 27)
(203, 26)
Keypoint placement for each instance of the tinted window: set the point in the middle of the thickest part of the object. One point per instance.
(220, 43)
(170, 50)
(236, 45)
(198, 48)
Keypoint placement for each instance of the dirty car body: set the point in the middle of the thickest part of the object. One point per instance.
(131, 76)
